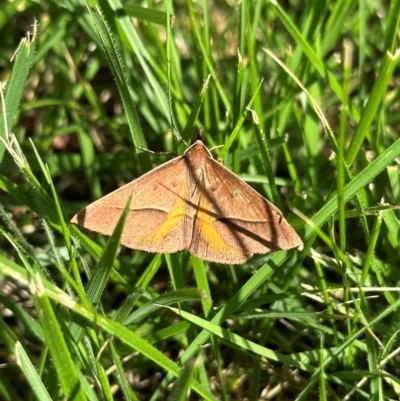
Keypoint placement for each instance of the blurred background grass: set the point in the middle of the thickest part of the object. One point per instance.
(88, 101)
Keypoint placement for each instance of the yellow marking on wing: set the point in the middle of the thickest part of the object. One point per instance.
(173, 220)
(205, 222)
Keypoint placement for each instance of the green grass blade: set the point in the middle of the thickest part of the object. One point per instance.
(390, 61)
(30, 373)
(146, 14)
(113, 56)
(15, 87)
(60, 353)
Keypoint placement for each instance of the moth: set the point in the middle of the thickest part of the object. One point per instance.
(193, 202)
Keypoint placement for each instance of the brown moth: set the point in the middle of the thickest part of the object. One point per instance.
(193, 202)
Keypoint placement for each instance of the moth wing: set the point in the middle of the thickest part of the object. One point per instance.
(234, 221)
(158, 220)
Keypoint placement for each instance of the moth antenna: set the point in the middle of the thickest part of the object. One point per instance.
(156, 153)
(200, 138)
(181, 138)
(215, 147)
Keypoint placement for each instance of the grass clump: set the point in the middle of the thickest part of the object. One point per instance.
(303, 100)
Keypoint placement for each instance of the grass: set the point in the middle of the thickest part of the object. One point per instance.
(304, 101)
